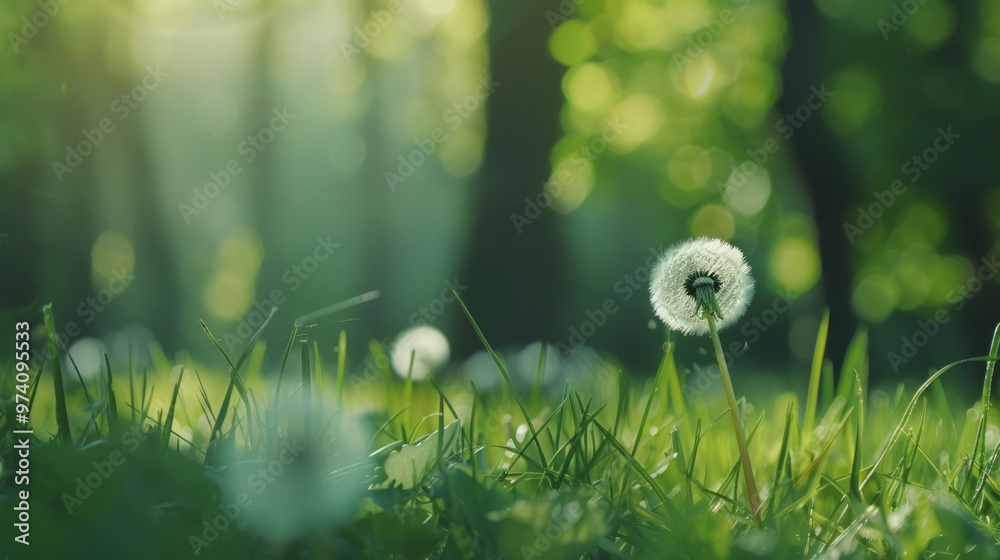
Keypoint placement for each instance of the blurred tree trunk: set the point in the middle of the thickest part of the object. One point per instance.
(155, 266)
(824, 167)
(517, 281)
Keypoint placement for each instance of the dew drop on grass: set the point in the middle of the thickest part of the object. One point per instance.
(509, 453)
(972, 415)
(522, 431)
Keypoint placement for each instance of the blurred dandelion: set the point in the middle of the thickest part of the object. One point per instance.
(425, 346)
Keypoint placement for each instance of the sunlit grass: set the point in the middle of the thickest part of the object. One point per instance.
(331, 463)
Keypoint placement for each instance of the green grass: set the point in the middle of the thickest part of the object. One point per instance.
(621, 467)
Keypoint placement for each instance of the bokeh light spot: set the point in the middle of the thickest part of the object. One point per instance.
(931, 24)
(690, 167)
(713, 220)
(747, 194)
(589, 87)
(641, 117)
(875, 297)
(111, 256)
(855, 99)
(572, 43)
(795, 263)
(227, 295)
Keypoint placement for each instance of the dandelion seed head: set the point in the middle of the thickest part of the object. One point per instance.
(700, 263)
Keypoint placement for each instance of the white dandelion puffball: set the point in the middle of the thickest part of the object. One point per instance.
(425, 346)
(675, 280)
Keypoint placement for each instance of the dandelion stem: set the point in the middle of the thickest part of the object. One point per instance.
(727, 382)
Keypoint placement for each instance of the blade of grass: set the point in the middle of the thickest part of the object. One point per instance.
(272, 428)
(112, 409)
(835, 433)
(660, 493)
(248, 350)
(979, 448)
(318, 382)
(827, 393)
(146, 403)
(649, 400)
(682, 467)
(908, 465)
(855, 360)
(676, 395)
(341, 367)
(62, 417)
(306, 388)
(506, 377)
(520, 453)
(169, 422)
(131, 384)
(774, 501)
(408, 387)
(79, 377)
(221, 418)
(233, 371)
(536, 387)
(977, 496)
(812, 395)
(860, 429)
(575, 443)
(339, 306)
(909, 411)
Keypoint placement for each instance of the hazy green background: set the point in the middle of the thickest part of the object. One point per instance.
(692, 90)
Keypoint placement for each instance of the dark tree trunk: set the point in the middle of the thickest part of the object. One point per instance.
(517, 280)
(824, 168)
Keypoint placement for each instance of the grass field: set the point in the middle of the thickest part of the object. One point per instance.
(331, 463)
